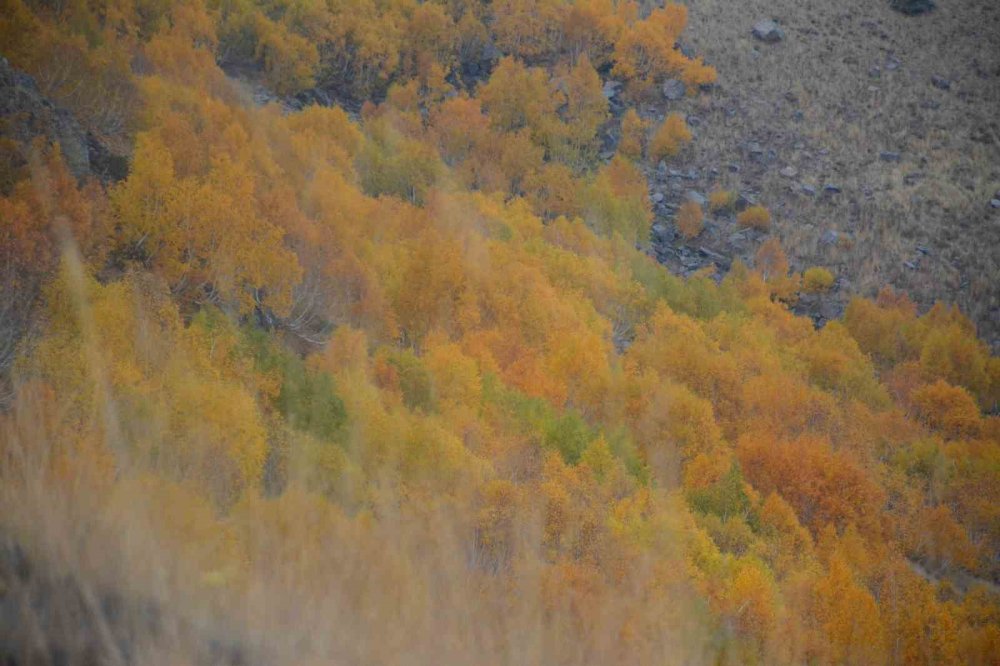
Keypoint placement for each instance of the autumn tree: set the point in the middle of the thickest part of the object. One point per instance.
(690, 219)
(668, 140)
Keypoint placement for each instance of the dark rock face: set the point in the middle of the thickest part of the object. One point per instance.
(26, 114)
(912, 7)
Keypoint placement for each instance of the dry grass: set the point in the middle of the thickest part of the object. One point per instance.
(936, 197)
(102, 565)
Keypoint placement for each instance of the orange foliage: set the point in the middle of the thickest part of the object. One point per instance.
(690, 219)
(669, 138)
(292, 346)
(755, 217)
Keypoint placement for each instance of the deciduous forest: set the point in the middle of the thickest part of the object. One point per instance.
(387, 375)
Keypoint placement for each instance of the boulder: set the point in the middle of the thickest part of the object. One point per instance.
(912, 7)
(696, 197)
(611, 88)
(768, 31)
(940, 82)
(789, 171)
(889, 156)
(674, 89)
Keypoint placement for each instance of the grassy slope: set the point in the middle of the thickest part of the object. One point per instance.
(949, 140)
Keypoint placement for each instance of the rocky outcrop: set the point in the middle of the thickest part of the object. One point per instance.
(26, 114)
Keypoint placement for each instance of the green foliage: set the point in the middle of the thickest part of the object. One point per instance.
(726, 498)
(306, 398)
(309, 401)
(567, 434)
(415, 381)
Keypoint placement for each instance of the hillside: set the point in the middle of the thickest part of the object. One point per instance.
(898, 112)
(370, 354)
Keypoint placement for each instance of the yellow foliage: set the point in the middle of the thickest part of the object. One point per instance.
(668, 140)
(817, 279)
(633, 135)
(646, 53)
(312, 357)
(755, 217)
(720, 200)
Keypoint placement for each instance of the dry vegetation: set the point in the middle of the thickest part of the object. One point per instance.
(936, 197)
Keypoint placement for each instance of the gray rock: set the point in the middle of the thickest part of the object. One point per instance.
(606, 155)
(656, 197)
(721, 258)
(830, 188)
(875, 72)
(940, 82)
(892, 63)
(693, 121)
(830, 309)
(768, 31)
(789, 171)
(995, 203)
(696, 197)
(611, 89)
(923, 250)
(674, 89)
(911, 265)
(912, 7)
(734, 168)
(755, 148)
(829, 237)
(889, 156)
(808, 189)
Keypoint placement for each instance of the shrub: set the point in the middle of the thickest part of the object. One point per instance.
(689, 219)
(817, 279)
(756, 217)
(669, 139)
(633, 135)
(720, 199)
(646, 53)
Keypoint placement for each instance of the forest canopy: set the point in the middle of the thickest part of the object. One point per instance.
(387, 376)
